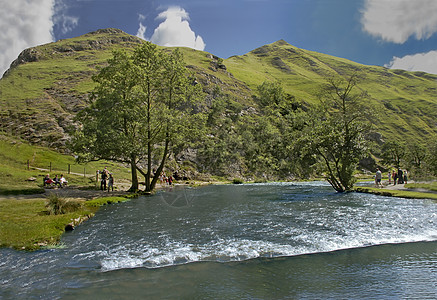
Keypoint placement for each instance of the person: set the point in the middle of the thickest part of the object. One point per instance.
(56, 181)
(63, 181)
(395, 177)
(400, 176)
(389, 177)
(110, 182)
(405, 177)
(47, 180)
(378, 177)
(103, 177)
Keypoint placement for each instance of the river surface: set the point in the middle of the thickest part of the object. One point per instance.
(260, 241)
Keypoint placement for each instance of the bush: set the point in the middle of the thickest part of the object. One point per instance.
(237, 181)
(58, 206)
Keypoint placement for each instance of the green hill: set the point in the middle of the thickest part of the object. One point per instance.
(407, 101)
(48, 84)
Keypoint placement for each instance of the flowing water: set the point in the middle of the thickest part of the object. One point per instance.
(260, 241)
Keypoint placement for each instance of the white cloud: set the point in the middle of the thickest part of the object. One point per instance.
(26, 23)
(141, 33)
(397, 20)
(426, 62)
(23, 24)
(176, 31)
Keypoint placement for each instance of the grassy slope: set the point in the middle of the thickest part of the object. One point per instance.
(14, 172)
(25, 224)
(397, 193)
(46, 93)
(407, 101)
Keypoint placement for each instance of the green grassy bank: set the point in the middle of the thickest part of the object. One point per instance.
(397, 193)
(26, 225)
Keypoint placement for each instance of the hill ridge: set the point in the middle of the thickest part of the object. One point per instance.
(48, 84)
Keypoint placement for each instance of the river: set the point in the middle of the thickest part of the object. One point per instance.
(251, 241)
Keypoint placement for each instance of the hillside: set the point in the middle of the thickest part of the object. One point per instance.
(47, 85)
(407, 101)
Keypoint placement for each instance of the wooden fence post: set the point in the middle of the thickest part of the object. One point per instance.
(50, 167)
(68, 168)
(28, 165)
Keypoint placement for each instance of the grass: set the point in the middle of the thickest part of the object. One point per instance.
(405, 99)
(409, 97)
(396, 193)
(29, 224)
(15, 174)
(432, 186)
(57, 205)
(26, 225)
(104, 201)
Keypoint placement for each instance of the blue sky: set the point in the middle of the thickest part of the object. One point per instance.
(392, 33)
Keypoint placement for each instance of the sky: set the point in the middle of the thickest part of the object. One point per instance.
(400, 34)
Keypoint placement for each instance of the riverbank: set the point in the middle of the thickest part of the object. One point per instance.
(26, 225)
(411, 191)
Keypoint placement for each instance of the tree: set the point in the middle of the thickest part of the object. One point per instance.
(431, 156)
(137, 110)
(167, 92)
(110, 125)
(335, 131)
(416, 154)
(393, 152)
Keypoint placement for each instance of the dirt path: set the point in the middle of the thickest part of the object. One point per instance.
(68, 192)
(401, 187)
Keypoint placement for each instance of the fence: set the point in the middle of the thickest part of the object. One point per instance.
(67, 168)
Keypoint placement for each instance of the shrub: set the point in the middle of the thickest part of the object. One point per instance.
(237, 181)
(58, 206)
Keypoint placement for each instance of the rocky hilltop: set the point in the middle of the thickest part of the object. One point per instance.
(47, 85)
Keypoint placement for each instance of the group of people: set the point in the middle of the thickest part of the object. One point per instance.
(106, 178)
(166, 179)
(56, 181)
(398, 176)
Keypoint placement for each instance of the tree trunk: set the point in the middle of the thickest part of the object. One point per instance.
(161, 166)
(149, 166)
(133, 167)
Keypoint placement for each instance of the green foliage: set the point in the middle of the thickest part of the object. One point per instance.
(335, 133)
(57, 205)
(431, 156)
(406, 100)
(15, 175)
(247, 135)
(431, 186)
(105, 200)
(237, 181)
(393, 152)
(25, 224)
(397, 193)
(138, 110)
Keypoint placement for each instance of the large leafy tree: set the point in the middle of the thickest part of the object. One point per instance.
(393, 152)
(335, 134)
(137, 111)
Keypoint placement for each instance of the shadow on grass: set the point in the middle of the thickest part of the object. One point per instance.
(20, 191)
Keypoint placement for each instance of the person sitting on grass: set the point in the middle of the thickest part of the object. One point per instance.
(63, 181)
(56, 181)
(47, 180)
